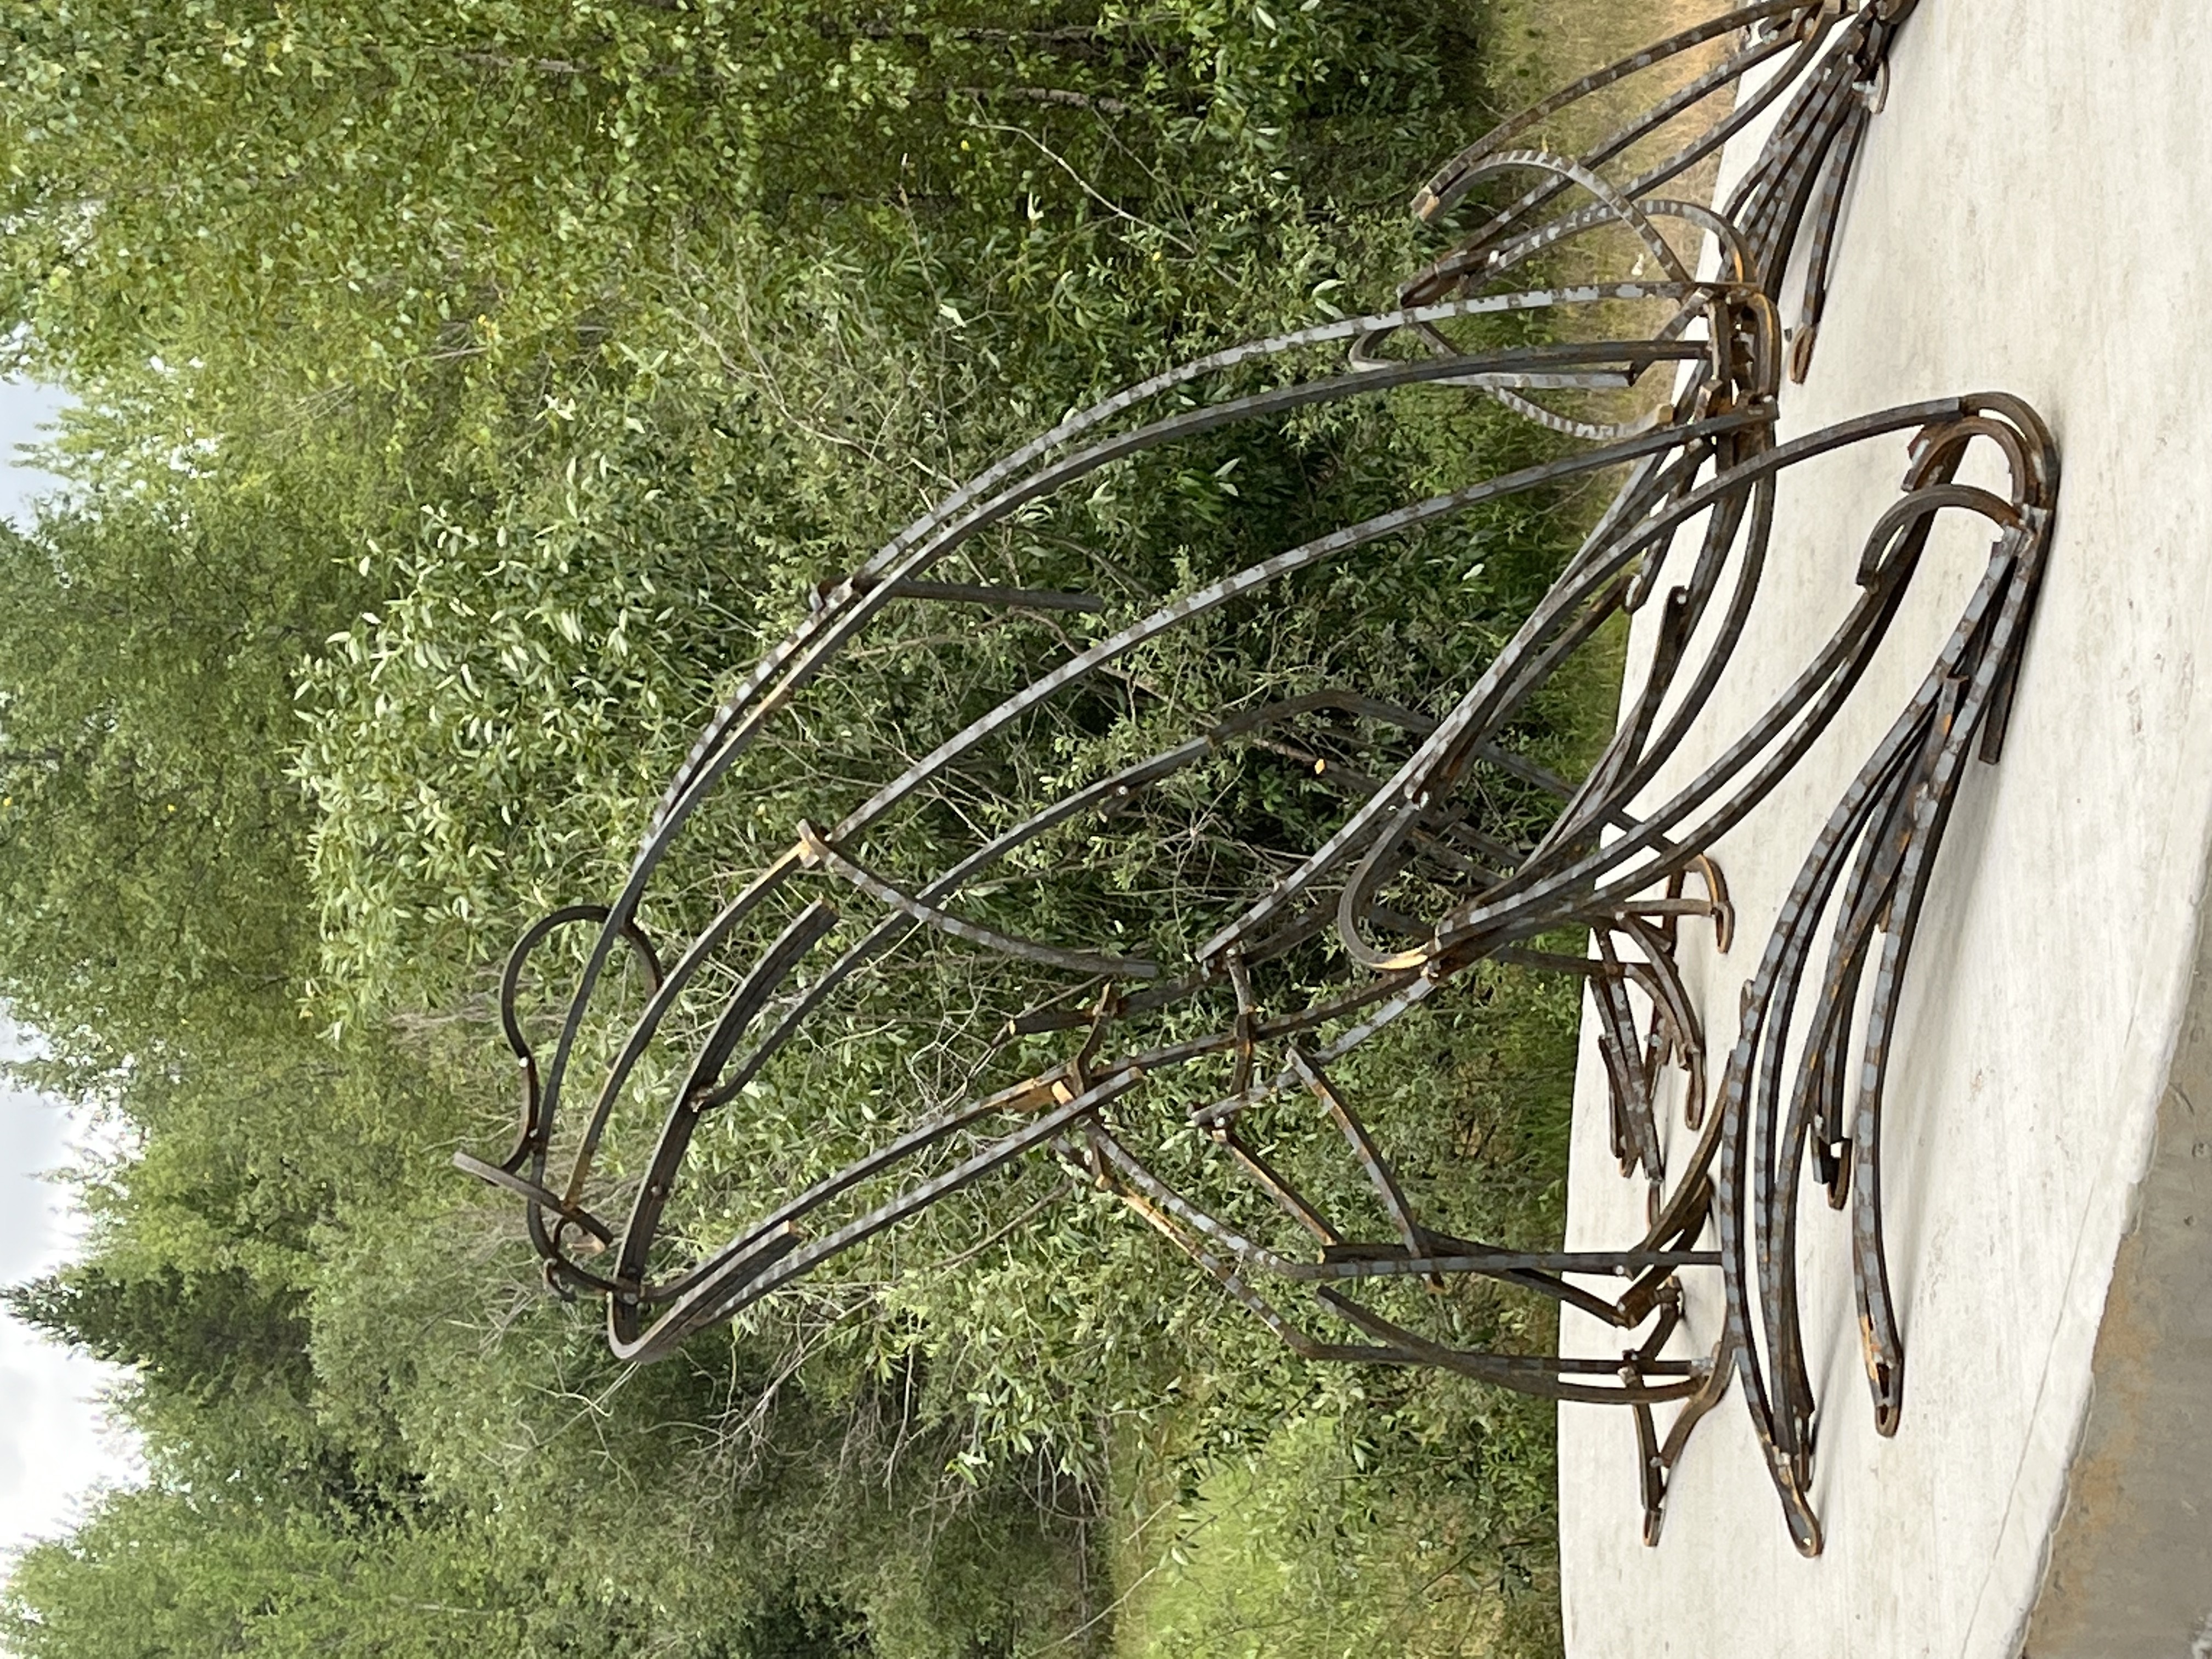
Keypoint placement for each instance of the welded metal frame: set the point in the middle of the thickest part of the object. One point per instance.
(1625, 858)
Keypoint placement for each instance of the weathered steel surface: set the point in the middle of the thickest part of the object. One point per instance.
(1688, 530)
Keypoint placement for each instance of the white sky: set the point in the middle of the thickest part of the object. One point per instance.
(24, 409)
(55, 1443)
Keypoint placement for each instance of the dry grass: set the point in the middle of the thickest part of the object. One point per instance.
(1536, 46)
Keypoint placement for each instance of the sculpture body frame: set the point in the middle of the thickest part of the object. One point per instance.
(1685, 544)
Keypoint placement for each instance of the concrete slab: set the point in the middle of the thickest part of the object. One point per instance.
(2027, 216)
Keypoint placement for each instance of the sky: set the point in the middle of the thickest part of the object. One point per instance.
(24, 407)
(55, 1445)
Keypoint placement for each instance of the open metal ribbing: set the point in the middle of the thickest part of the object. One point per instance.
(1624, 855)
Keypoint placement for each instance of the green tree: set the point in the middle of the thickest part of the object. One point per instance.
(150, 840)
(196, 1335)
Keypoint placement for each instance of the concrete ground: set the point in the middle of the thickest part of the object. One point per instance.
(2032, 214)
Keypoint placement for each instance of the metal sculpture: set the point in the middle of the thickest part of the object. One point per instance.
(1626, 858)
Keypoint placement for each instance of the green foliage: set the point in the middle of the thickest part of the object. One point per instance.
(471, 392)
(148, 836)
(155, 1572)
(218, 1331)
(1345, 1534)
(1326, 1513)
